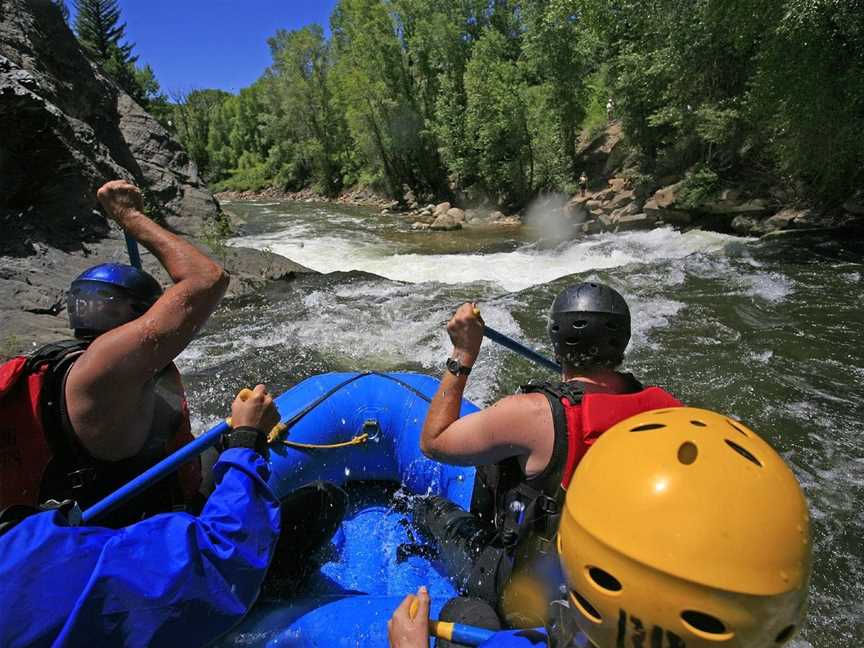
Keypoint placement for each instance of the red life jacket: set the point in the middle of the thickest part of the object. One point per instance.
(40, 459)
(520, 506)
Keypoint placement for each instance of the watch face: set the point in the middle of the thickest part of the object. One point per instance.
(453, 366)
(457, 369)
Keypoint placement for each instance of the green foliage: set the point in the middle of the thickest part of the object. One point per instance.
(698, 187)
(773, 85)
(100, 32)
(64, 10)
(488, 97)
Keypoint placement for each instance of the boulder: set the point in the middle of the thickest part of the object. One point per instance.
(618, 184)
(606, 194)
(441, 208)
(788, 219)
(672, 216)
(627, 210)
(576, 211)
(66, 129)
(634, 222)
(755, 207)
(458, 215)
(593, 226)
(730, 195)
(606, 220)
(746, 225)
(620, 199)
(509, 220)
(445, 222)
(594, 204)
(667, 196)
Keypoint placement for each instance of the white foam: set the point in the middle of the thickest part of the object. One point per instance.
(512, 271)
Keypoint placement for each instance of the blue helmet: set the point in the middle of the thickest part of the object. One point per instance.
(107, 296)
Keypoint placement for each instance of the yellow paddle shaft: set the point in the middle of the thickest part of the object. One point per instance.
(440, 629)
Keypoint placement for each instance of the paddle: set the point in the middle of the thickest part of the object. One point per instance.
(164, 467)
(455, 632)
(132, 249)
(518, 347)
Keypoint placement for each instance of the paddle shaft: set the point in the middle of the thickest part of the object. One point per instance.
(521, 349)
(455, 632)
(132, 249)
(155, 474)
(459, 633)
(165, 467)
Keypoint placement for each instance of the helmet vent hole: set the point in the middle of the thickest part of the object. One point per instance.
(785, 634)
(580, 324)
(647, 427)
(737, 428)
(687, 453)
(604, 580)
(554, 328)
(585, 607)
(702, 622)
(743, 452)
(698, 423)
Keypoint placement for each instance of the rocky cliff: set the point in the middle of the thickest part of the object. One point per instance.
(65, 129)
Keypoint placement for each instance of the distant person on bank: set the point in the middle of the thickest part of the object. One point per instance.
(171, 580)
(583, 184)
(528, 445)
(90, 414)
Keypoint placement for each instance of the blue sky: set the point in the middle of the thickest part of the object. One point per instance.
(194, 44)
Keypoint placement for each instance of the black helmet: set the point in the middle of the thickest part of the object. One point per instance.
(589, 325)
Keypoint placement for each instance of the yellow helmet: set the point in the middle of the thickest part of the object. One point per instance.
(683, 528)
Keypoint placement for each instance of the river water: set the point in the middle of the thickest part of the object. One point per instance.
(770, 331)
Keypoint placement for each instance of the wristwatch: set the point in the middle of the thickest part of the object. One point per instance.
(247, 437)
(457, 369)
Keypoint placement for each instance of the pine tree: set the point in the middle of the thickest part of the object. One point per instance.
(61, 4)
(103, 36)
(98, 27)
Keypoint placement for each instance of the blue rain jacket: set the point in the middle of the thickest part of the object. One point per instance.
(171, 580)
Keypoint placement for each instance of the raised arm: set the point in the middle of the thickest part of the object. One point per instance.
(107, 387)
(514, 426)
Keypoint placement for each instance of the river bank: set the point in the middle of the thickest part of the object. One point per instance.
(617, 198)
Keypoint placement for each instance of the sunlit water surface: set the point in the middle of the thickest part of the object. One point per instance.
(770, 331)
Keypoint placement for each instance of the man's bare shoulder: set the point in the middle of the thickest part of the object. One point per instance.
(534, 400)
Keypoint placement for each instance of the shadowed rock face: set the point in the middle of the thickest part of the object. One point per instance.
(65, 129)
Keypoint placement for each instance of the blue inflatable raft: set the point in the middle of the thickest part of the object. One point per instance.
(369, 426)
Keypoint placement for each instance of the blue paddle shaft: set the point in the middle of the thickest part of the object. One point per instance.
(154, 474)
(132, 248)
(470, 635)
(521, 349)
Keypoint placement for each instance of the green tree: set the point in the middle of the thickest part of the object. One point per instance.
(191, 116)
(103, 36)
(305, 110)
(377, 94)
(64, 10)
(496, 120)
